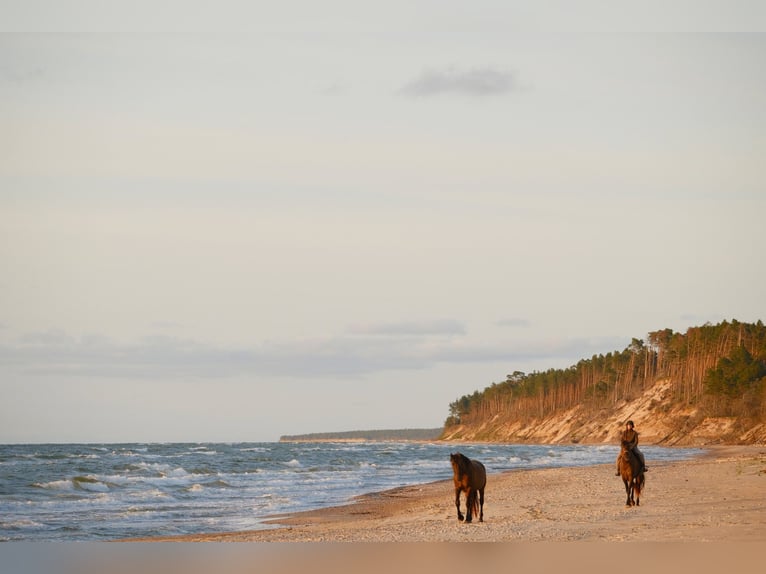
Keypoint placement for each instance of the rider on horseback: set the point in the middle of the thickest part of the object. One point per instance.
(630, 438)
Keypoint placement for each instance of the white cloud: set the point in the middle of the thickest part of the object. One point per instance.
(471, 82)
(402, 347)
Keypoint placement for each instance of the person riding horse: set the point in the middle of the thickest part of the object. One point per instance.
(629, 438)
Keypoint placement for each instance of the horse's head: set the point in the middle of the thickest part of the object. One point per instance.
(626, 452)
(459, 461)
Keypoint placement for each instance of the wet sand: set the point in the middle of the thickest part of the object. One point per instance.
(719, 497)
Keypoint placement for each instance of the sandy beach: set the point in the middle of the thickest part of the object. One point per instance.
(719, 497)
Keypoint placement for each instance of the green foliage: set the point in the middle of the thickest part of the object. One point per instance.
(461, 407)
(737, 374)
(724, 360)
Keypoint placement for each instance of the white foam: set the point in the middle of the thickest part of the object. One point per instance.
(56, 485)
(20, 524)
(90, 484)
(177, 473)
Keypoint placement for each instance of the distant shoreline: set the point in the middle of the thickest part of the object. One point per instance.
(420, 434)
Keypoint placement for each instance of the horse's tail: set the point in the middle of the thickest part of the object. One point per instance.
(473, 502)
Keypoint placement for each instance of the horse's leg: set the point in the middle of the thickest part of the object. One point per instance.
(481, 505)
(633, 488)
(637, 490)
(627, 491)
(457, 504)
(470, 500)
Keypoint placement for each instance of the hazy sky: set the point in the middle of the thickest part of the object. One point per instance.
(318, 217)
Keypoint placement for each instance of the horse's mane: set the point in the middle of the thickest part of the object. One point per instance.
(629, 456)
(463, 462)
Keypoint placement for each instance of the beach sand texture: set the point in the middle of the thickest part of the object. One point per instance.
(719, 497)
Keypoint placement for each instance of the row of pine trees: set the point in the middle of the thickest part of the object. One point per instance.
(721, 368)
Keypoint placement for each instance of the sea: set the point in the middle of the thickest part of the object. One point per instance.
(97, 492)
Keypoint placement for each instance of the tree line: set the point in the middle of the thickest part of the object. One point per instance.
(719, 367)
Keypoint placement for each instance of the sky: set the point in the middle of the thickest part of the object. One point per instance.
(240, 222)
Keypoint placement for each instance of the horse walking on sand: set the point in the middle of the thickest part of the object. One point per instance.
(470, 477)
(632, 473)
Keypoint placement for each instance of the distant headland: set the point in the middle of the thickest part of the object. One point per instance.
(367, 435)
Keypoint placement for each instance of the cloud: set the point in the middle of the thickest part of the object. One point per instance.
(54, 338)
(432, 327)
(473, 82)
(163, 357)
(19, 75)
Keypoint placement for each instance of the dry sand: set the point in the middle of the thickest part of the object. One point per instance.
(720, 497)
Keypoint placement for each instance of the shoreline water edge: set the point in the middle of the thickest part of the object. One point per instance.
(714, 497)
(381, 492)
(102, 492)
(705, 515)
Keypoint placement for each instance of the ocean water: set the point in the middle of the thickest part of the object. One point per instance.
(62, 492)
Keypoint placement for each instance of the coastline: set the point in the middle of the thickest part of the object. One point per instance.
(717, 497)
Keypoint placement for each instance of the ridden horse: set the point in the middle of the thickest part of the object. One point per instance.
(632, 473)
(470, 477)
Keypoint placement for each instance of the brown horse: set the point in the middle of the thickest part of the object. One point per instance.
(470, 477)
(632, 473)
